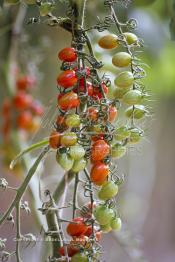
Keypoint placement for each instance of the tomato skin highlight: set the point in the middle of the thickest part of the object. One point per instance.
(99, 173)
(78, 229)
(67, 54)
(54, 140)
(100, 150)
(22, 101)
(68, 101)
(67, 79)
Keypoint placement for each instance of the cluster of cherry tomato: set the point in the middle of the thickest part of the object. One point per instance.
(21, 112)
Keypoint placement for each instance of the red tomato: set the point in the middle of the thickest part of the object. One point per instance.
(37, 108)
(67, 54)
(98, 137)
(24, 82)
(67, 79)
(97, 93)
(22, 101)
(112, 113)
(88, 72)
(24, 120)
(93, 113)
(78, 229)
(99, 173)
(71, 250)
(54, 140)
(100, 150)
(82, 88)
(68, 101)
(98, 234)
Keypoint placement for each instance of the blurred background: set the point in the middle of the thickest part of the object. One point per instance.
(147, 198)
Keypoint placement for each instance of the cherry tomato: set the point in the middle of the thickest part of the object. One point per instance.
(65, 161)
(68, 101)
(118, 150)
(35, 125)
(87, 71)
(132, 97)
(22, 101)
(97, 92)
(97, 137)
(68, 54)
(81, 241)
(77, 152)
(37, 108)
(99, 173)
(6, 106)
(100, 150)
(68, 139)
(54, 140)
(67, 79)
(45, 8)
(116, 224)
(25, 82)
(24, 120)
(79, 165)
(121, 59)
(89, 87)
(108, 190)
(93, 113)
(103, 214)
(119, 92)
(135, 135)
(60, 122)
(138, 111)
(131, 38)
(71, 250)
(124, 79)
(112, 113)
(78, 228)
(86, 210)
(89, 233)
(106, 228)
(108, 41)
(72, 120)
(122, 133)
(79, 257)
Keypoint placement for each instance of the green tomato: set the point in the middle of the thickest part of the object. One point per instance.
(131, 38)
(103, 214)
(118, 151)
(116, 224)
(122, 133)
(65, 161)
(79, 165)
(108, 191)
(119, 92)
(124, 79)
(132, 97)
(72, 120)
(106, 228)
(135, 136)
(121, 59)
(69, 139)
(12, 2)
(45, 8)
(30, 2)
(79, 257)
(76, 152)
(138, 111)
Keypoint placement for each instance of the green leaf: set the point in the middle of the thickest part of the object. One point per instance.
(27, 150)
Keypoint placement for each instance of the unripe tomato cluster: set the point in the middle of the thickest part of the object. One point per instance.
(22, 111)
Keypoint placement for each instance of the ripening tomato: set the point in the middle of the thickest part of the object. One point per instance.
(124, 79)
(108, 41)
(97, 93)
(67, 79)
(65, 161)
(93, 113)
(116, 224)
(68, 101)
(103, 214)
(35, 124)
(112, 113)
(121, 59)
(77, 228)
(68, 139)
(89, 233)
(108, 191)
(77, 152)
(131, 38)
(89, 88)
(99, 173)
(118, 150)
(37, 108)
(22, 101)
(24, 120)
(133, 97)
(72, 120)
(97, 137)
(54, 140)
(68, 54)
(100, 150)
(71, 250)
(80, 241)
(79, 257)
